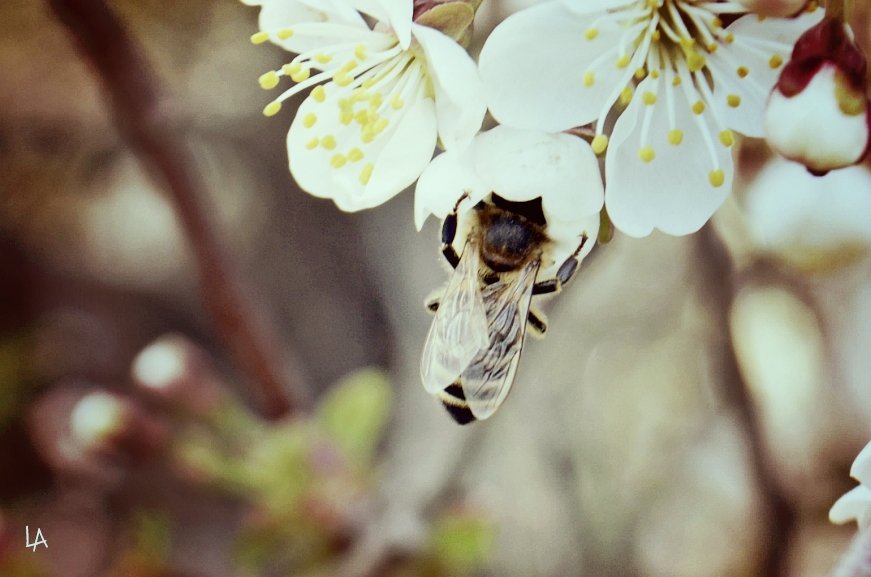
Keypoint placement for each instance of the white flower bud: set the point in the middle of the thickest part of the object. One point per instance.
(813, 128)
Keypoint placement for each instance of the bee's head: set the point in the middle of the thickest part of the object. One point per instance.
(511, 232)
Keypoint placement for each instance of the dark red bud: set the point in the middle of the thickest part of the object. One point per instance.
(827, 42)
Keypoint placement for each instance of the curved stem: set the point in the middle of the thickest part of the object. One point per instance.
(140, 117)
(779, 517)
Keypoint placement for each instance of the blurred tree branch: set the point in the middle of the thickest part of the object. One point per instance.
(140, 116)
(779, 514)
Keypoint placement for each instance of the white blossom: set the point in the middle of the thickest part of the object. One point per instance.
(681, 79)
(382, 90)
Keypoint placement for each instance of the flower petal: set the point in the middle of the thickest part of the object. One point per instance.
(673, 191)
(443, 182)
(593, 6)
(340, 24)
(861, 469)
(853, 505)
(459, 92)
(331, 159)
(520, 165)
(759, 50)
(534, 63)
(394, 13)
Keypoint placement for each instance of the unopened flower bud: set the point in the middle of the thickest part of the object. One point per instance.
(775, 8)
(178, 372)
(451, 17)
(111, 425)
(818, 113)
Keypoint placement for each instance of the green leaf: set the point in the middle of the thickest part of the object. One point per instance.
(355, 412)
(462, 541)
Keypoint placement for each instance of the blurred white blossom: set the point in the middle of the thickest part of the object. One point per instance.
(383, 89)
(685, 78)
(855, 505)
(811, 222)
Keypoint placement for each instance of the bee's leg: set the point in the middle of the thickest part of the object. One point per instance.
(563, 275)
(449, 233)
(537, 323)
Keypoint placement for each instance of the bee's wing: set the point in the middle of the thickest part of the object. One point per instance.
(459, 329)
(488, 378)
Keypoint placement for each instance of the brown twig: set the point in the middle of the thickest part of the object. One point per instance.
(135, 100)
(779, 515)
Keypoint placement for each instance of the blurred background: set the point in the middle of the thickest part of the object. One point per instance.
(693, 411)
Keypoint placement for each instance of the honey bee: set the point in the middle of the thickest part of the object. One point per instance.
(473, 347)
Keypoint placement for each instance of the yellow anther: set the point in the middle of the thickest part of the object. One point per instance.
(285, 33)
(733, 100)
(687, 43)
(775, 61)
(360, 52)
(716, 178)
(309, 119)
(323, 58)
(369, 83)
(338, 160)
(712, 47)
(743, 71)
(729, 38)
(623, 61)
(362, 116)
(626, 96)
(359, 94)
(649, 98)
(591, 33)
(599, 144)
(291, 69)
(366, 173)
(328, 142)
(675, 136)
(259, 37)
(396, 102)
(313, 143)
(301, 74)
(348, 66)
(695, 61)
(655, 74)
(269, 80)
(319, 93)
(676, 81)
(367, 135)
(640, 73)
(698, 107)
(380, 125)
(646, 154)
(346, 117)
(589, 78)
(716, 22)
(342, 79)
(272, 108)
(727, 138)
(656, 36)
(376, 100)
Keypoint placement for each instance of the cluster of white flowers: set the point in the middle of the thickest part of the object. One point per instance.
(663, 84)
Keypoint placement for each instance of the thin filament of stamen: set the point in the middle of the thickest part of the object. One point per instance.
(692, 96)
(638, 56)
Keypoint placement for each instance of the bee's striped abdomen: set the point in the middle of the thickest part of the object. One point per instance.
(455, 403)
